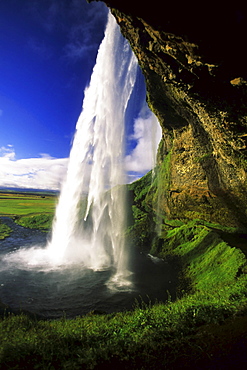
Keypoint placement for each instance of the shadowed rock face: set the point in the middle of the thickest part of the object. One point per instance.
(194, 61)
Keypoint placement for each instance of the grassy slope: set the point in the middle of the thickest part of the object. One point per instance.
(204, 328)
(150, 337)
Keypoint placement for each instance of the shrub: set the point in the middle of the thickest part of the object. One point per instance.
(40, 221)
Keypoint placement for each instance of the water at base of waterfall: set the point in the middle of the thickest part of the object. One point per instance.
(86, 264)
(29, 283)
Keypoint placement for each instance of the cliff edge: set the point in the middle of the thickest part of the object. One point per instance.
(194, 62)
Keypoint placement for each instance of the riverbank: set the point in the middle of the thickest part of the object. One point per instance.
(5, 230)
(32, 282)
(159, 337)
(204, 328)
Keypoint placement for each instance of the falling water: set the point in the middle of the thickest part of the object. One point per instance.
(62, 276)
(94, 236)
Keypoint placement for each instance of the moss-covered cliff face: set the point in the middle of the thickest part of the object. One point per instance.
(193, 60)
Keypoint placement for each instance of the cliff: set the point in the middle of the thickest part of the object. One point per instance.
(193, 59)
(196, 87)
(194, 62)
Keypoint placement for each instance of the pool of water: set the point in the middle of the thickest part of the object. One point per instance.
(71, 290)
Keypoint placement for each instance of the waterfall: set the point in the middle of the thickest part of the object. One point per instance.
(93, 234)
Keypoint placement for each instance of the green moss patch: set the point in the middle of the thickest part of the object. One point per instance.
(40, 221)
(141, 223)
(5, 231)
(210, 265)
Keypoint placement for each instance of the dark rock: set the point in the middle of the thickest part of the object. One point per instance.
(194, 61)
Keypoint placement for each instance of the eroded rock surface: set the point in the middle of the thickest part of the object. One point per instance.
(194, 61)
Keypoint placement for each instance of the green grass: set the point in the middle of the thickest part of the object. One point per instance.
(210, 266)
(24, 204)
(32, 210)
(39, 221)
(212, 263)
(213, 289)
(5, 231)
(150, 336)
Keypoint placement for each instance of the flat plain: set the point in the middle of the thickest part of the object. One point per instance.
(20, 204)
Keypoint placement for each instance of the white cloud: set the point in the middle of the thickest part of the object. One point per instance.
(147, 134)
(44, 172)
(7, 152)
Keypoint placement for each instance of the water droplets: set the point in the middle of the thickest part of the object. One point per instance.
(96, 164)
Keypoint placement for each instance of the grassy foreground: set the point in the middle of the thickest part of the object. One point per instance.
(206, 327)
(149, 337)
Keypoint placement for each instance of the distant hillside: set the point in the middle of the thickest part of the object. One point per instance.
(29, 191)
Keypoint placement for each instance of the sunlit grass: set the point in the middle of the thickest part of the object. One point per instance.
(23, 204)
(30, 210)
(137, 337)
(149, 336)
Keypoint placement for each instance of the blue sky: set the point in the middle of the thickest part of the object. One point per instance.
(48, 50)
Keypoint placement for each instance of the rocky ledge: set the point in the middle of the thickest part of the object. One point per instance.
(194, 61)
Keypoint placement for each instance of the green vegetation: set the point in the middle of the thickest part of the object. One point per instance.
(211, 263)
(24, 204)
(150, 336)
(40, 221)
(142, 228)
(162, 180)
(203, 158)
(32, 210)
(212, 292)
(5, 231)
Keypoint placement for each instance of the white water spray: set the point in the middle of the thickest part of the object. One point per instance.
(94, 237)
